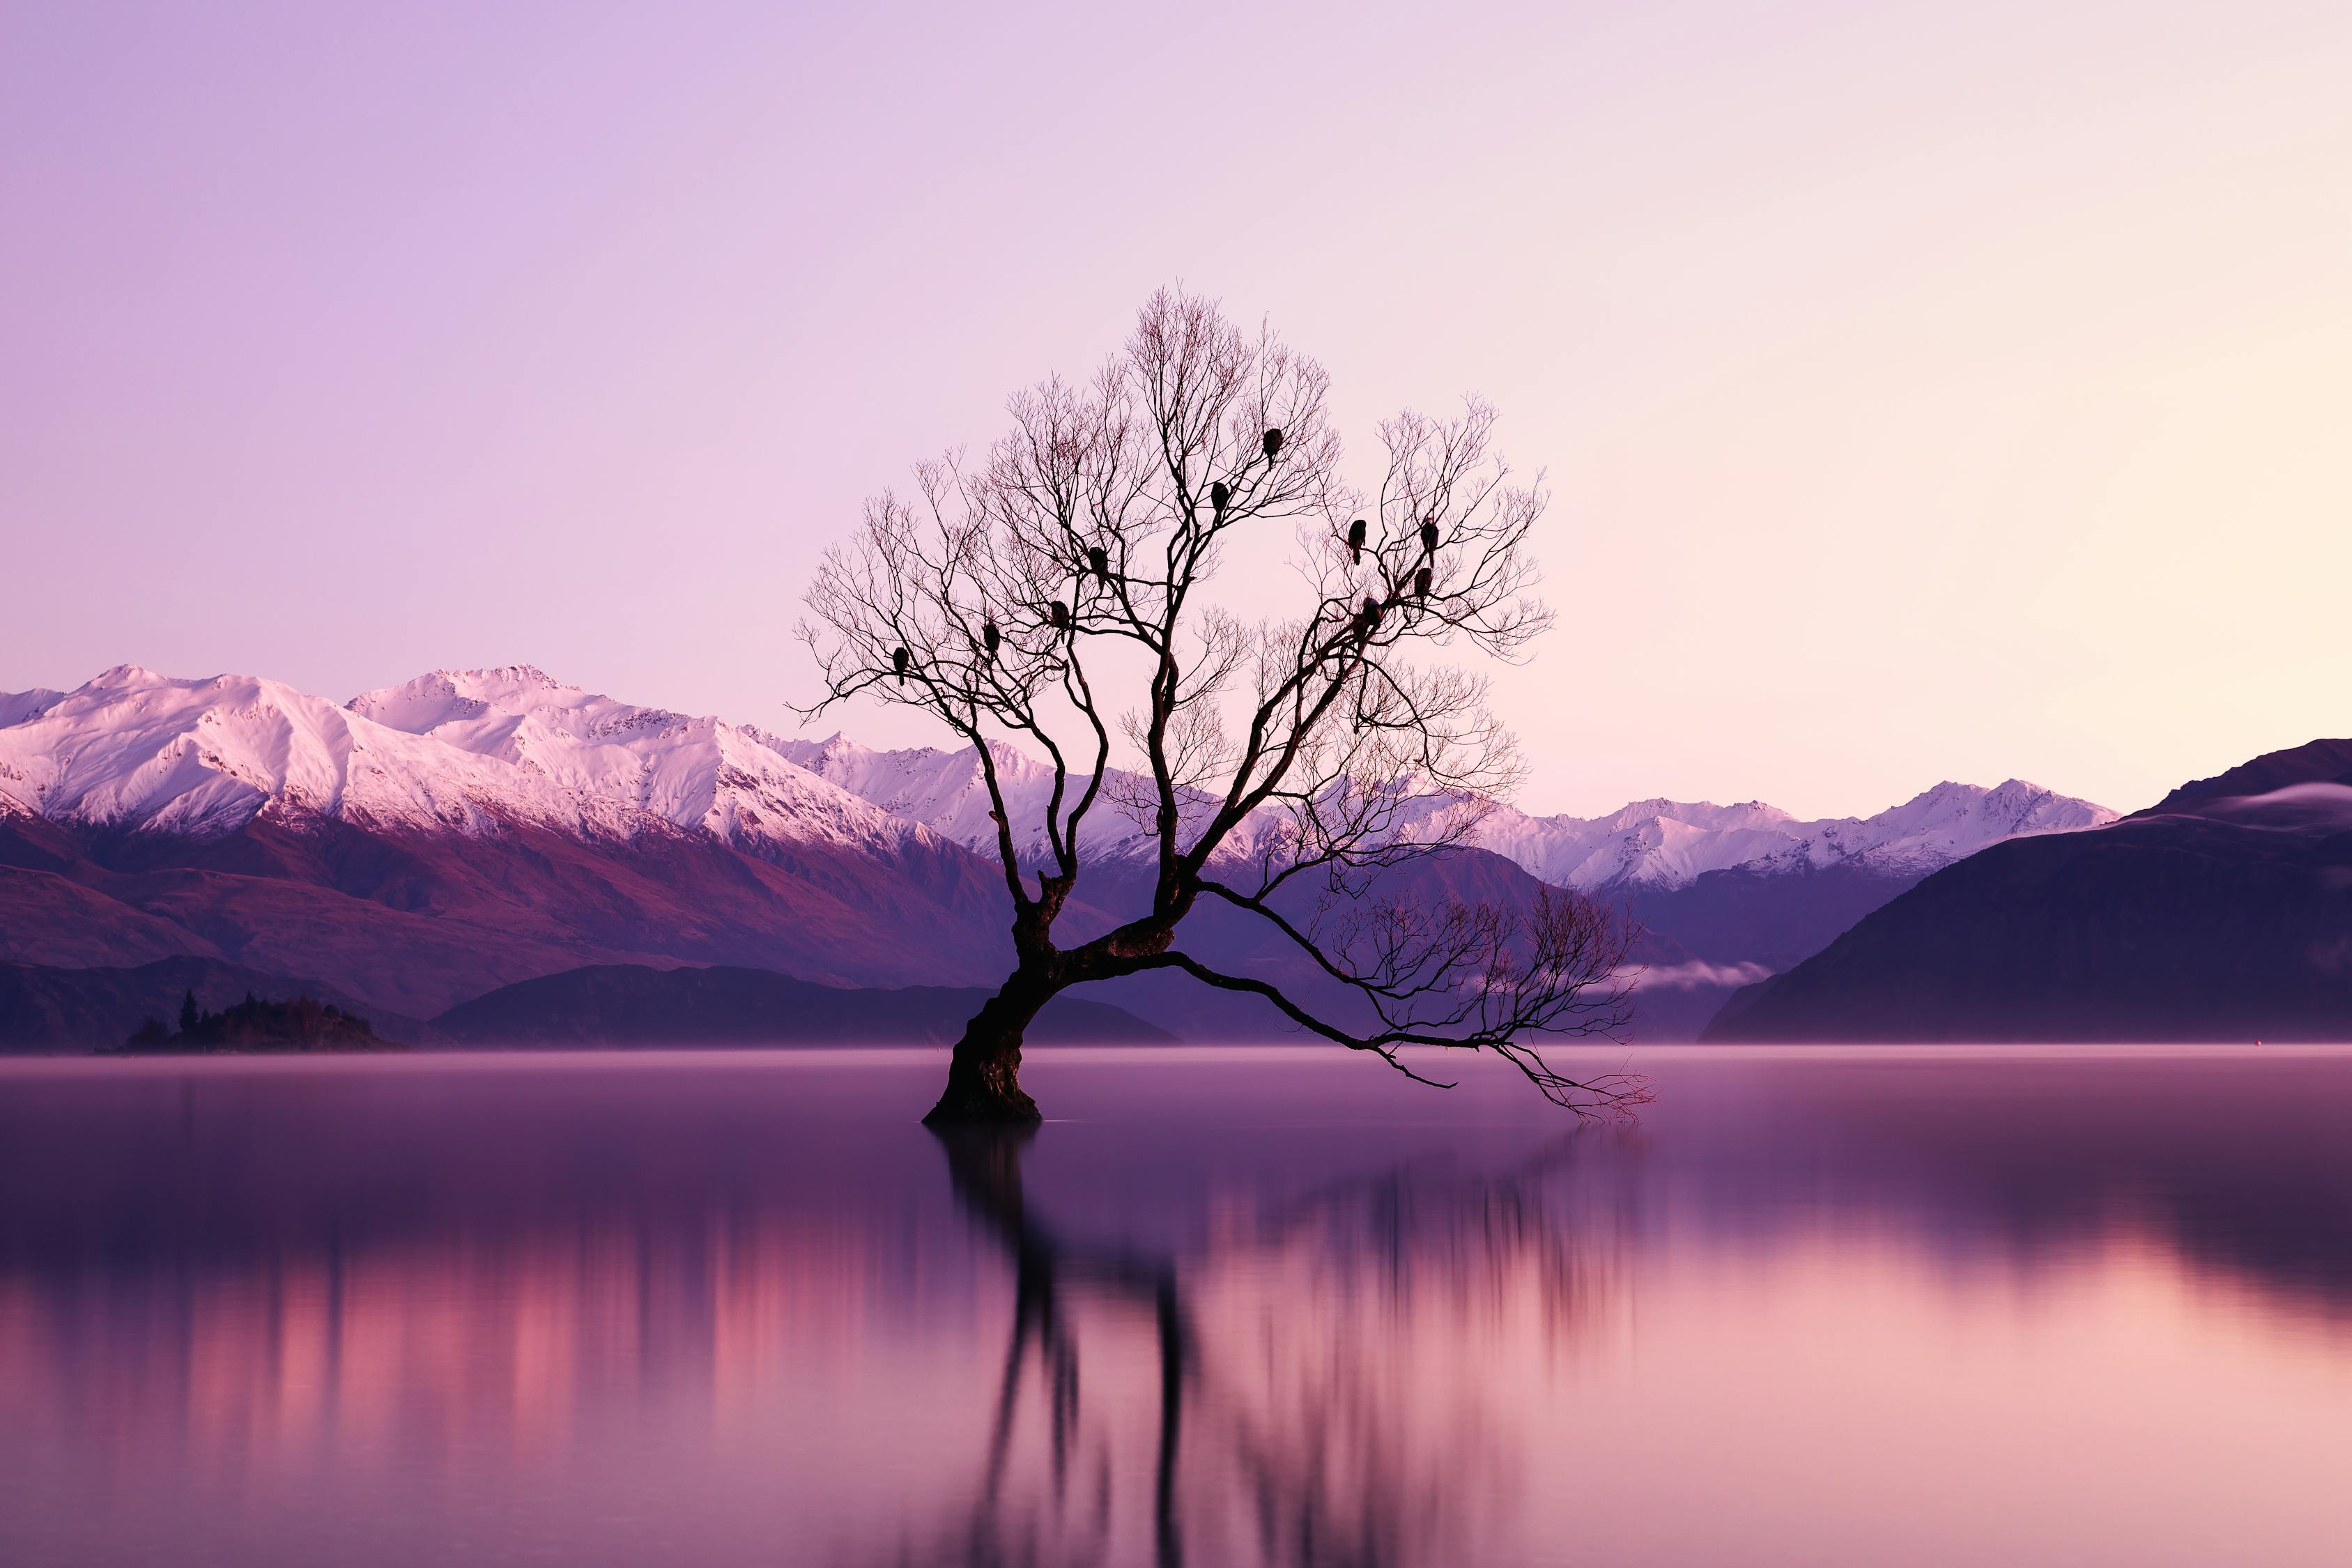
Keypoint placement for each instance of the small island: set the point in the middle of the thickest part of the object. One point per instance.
(254, 1025)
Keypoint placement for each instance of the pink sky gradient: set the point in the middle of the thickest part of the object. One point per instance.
(1926, 391)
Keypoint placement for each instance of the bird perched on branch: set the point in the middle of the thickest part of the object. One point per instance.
(990, 637)
(1429, 536)
(1059, 613)
(899, 658)
(1370, 615)
(1273, 444)
(1421, 583)
(1220, 496)
(1355, 542)
(1099, 561)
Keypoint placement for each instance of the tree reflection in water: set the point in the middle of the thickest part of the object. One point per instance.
(1311, 1391)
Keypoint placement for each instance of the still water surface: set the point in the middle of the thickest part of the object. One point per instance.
(1237, 1307)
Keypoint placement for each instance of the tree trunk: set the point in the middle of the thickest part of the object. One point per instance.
(984, 1073)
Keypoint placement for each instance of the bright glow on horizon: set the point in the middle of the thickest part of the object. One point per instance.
(1955, 394)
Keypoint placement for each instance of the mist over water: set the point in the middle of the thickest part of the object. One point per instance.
(1234, 1307)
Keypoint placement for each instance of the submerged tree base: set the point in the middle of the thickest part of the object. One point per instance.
(1014, 1110)
(985, 1092)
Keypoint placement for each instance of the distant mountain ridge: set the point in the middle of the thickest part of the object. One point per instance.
(2224, 912)
(2316, 762)
(1649, 845)
(468, 750)
(44, 1008)
(51, 1009)
(436, 840)
(631, 1005)
(1663, 844)
(464, 752)
(429, 842)
(1736, 892)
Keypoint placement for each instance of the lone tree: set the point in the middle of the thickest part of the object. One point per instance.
(1285, 767)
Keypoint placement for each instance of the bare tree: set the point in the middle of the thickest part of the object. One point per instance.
(1272, 756)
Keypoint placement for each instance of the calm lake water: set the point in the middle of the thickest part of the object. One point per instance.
(1237, 1307)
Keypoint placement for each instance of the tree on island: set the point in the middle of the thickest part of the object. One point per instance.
(255, 1025)
(1276, 757)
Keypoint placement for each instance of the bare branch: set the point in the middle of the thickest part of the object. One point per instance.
(1315, 750)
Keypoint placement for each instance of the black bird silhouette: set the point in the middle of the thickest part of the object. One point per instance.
(1099, 561)
(1355, 542)
(1429, 536)
(1059, 613)
(990, 637)
(1371, 614)
(1220, 496)
(898, 659)
(1273, 444)
(1421, 582)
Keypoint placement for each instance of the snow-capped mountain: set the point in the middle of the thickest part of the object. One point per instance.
(1648, 844)
(468, 750)
(135, 749)
(431, 842)
(427, 842)
(945, 792)
(464, 752)
(2218, 914)
(1658, 844)
(688, 772)
(19, 706)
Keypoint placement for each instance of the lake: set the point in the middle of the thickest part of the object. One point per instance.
(1234, 1307)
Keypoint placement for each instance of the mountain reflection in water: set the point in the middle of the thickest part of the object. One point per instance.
(1244, 1307)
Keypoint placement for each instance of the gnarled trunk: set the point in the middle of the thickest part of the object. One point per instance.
(984, 1073)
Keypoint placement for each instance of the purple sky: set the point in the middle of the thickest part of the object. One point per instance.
(1962, 393)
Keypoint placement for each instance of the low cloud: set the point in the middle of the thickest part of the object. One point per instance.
(1697, 976)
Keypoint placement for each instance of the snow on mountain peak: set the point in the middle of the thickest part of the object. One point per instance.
(15, 706)
(692, 773)
(465, 749)
(1648, 843)
(469, 749)
(946, 792)
(1941, 825)
(123, 677)
(1670, 844)
(136, 749)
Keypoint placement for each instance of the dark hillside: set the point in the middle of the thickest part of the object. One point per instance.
(51, 1009)
(2223, 916)
(631, 1005)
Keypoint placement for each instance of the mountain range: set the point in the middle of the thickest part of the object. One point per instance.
(2221, 913)
(1729, 894)
(1651, 844)
(426, 844)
